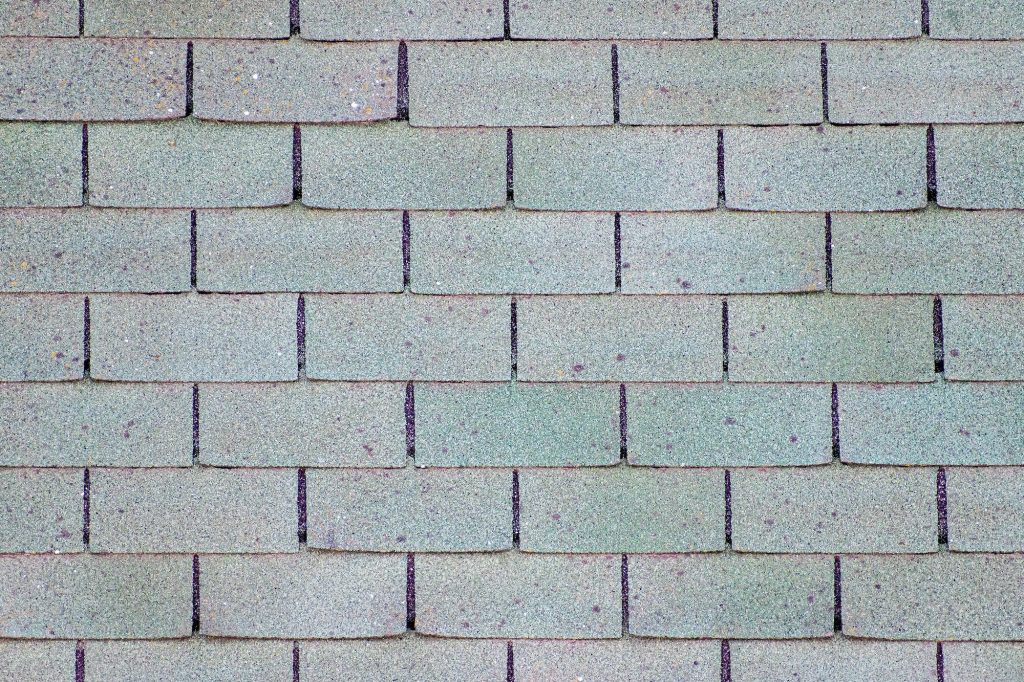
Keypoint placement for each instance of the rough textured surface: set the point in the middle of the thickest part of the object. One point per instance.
(575, 338)
(935, 250)
(509, 83)
(634, 660)
(420, 659)
(812, 19)
(79, 596)
(614, 169)
(834, 509)
(621, 509)
(978, 19)
(394, 19)
(411, 510)
(827, 338)
(984, 337)
(508, 252)
(194, 338)
(40, 164)
(302, 424)
(37, 661)
(38, 18)
(408, 337)
(188, 18)
(186, 163)
(835, 661)
(944, 596)
(198, 661)
(595, 19)
(726, 596)
(298, 249)
(720, 82)
(193, 510)
(516, 425)
(986, 509)
(40, 510)
(979, 166)
(41, 337)
(295, 81)
(303, 596)
(510, 595)
(722, 252)
(728, 425)
(825, 168)
(990, 662)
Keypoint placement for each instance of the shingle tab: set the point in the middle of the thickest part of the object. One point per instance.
(711, 82)
(830, 338)
(40, 510)
(945, 596)
(976, 19)
(295, 81)
(622, 509)
(419, 659)
(508, 251)
(37, 661)
(729, 425)
(305, 423)
(988, 662)
(302, 596)
(196, 660)
(731, 596)
(518, 595)
(837, 660)
(91, 80)
(930, 251)
(834, 509)
(40, 164)
(634, 338)
(722, 252)
(410, 510)
(985, 509)
(298, 249)
(825, 168)
(194, 338)
(41, 337)
(509, 83)
(186, 163)
(614, 169)
(979, 166)
(193, 510)
(392, 165)
(38, 17)
(516, 424)
(984, 337)
(95, 424)
(188, 18)
(925, 82)
(941, 423)
(813, 19)
(408, 337)
(395, 19)
(86, 249)
(632, 660)
(596, 19)
(96, 597)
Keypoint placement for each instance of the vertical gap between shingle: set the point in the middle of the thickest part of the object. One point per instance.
(835, 423)
(514, 339)
(195, 594)
(615, 83)
(85, 164)
(837, 587)
(721, 168)
(714, 18)
(86, 339)
(296, 163)
(623, 424)
(86, 494)
(828, 252)
(300, 335)
(940, 503)
(506, 20)
(193, 246)
(195, 424)
(938, 337)
(80, 661)
(515, 508)
(624, 579)
(410, 591)
(726, 675)
(926, 22)
(403, 82)
(300, 503)
(81, 18)
(509, 187)
(940, 663)
(933, 183)
(296, 664)
(618, 252)
(406, 252)
(410, 422)
(824, 81)
(725, 337)
(293, 17)
(510, 664)
(728, 509)
(188, 79)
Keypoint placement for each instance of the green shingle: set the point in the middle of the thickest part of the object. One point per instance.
(984, 337)
(595, 19)
(985, 509)
(40, 510)
(836, 660)
(37, 661)
(988, 662)
(196, 660)
(188, 18)
(976, 19)
(624, 660)
(38, 18)
(40, 164)
(813, 19)
(417, 659)
(979, 166)
(41, 337)
(394, 19)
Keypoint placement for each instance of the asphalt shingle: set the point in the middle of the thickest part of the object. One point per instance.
(976, 19)
(394, 19)
(984, 337)
(632, 660)
(295, 81)
(536, 83)
(40, 510)
(711, 82)
(985, 509)
(41, 337)
(194, 660)
(988, 662)
(188, 18)
(814, 19)
(838, 660)
(40, 164)
(979, 166)
(38, 18)
(596, 19)
(419, 659)
(37, 661)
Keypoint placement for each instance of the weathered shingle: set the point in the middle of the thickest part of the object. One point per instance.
(37, 661)
(38, 17)
(624, 660)
(812, 19)
(510, 84)
(986, 509)
(198, 660)
(295, 81)
(976, 19)
(40, 510)
(394, 19)
(419, 659)
(595, 19)
(837, 660)
(979, 166)
(614, 168)
(188, 18)
(988, 662)
(41, 337)
(704, 82)
(984, 337)
(40, 164)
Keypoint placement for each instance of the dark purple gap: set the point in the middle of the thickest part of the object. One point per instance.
(515, 508)
(837, 587)
(300, 333)
(79, 661)
(406, 251)
(514, 334)
(726, 662)
(81, 17)
(410, 421)
(938, 339)
(410, 591)
(296, 667)
(193, 250)
(714, 18)
(721, 168)
(618, 252)
(85, 164)
(195, 424)
(828, 252)
(725, 335)
(933, 183)
(296, 163)
(615, 83)
(728, 508)
(86, 521)
(625, 594)
(835, 422)
(86, 338)
(188, 79)
(506, 20)
(940, 663)
(301, 505)
(926, 23)
(940, 500)
(824, 81)
(403, 82)
(509, 188)
(195, 593)
(293, 17)
(623, 424)
(510, 664)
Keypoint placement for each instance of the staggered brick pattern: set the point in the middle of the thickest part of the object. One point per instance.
(535, 341)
